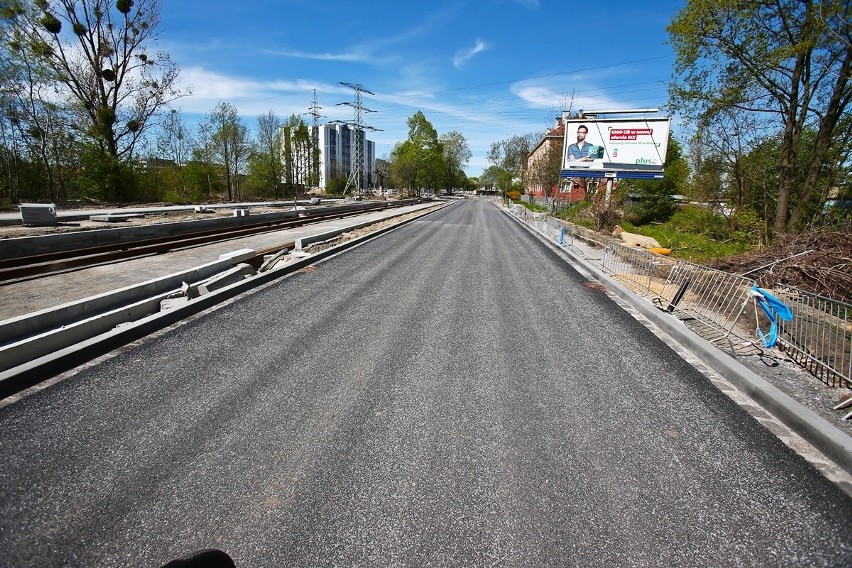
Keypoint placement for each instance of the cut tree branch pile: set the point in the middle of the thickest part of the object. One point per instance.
(826, 271)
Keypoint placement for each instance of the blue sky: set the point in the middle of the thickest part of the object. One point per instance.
(489, 69)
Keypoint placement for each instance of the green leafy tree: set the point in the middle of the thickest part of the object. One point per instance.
(787, 63)
(656, 202)
(228, 145)
(298, 148)
(418, 162)
(456, 154)
(510, 157)
(404, 167)
(267, 159)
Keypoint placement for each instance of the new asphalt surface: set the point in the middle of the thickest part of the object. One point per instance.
(431, 397)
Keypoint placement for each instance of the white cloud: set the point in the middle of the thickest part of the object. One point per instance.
(250, 96)
(350, 57)
(463, 55)
(538, 94)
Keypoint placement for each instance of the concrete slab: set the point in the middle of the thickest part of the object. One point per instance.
(37, 214)
(119, 218)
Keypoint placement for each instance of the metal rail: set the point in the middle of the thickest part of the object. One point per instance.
(17, 269)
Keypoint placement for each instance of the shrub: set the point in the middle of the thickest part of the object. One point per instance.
(605, 217)
(702, 221)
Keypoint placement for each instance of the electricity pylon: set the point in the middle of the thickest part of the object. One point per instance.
(313, 112)
(356, 175)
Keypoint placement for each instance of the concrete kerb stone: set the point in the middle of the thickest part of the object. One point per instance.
(30, 373)
(38, 322)
(36, 346)
(235, 274)
(820, 433)
(305, 242)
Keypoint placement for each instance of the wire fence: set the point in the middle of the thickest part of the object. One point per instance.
(720, 306)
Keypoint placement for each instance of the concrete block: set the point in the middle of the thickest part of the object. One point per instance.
(241, 212)
(190, 290)
(240, 255)
(115, 218)
(235, 274)
(37, 214)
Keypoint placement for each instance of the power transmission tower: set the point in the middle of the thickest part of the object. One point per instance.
(356, 175)
(313, 112)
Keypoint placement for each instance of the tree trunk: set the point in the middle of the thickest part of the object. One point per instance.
(839, 99)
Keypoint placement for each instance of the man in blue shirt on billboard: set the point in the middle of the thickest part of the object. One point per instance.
(579, 152)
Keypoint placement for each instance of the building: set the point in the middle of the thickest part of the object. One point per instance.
(546, 153)
(337, 154)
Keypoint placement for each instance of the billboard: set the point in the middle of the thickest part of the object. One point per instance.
(625, 148)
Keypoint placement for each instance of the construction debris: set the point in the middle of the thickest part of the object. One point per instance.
(235, 274)
(636, 240)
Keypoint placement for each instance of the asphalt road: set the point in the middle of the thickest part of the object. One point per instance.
(450, 394)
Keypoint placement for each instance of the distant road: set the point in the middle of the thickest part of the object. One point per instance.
(451, 394)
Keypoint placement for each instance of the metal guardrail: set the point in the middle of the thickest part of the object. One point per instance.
(819, 337)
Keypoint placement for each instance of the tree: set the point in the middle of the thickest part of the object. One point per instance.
(94, 53)
(269, 150)
(173, 144)
(298, 151)
(404, 166)
(656, 202)
(490, 177)
(546, 171)
(787, 63)
(382, 172)
(510, 158)
(418, 162)
(456, 154)
(228, 144)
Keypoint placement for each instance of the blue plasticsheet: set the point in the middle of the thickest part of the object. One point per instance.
(774, 309)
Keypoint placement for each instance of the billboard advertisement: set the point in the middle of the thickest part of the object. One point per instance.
(625, 148)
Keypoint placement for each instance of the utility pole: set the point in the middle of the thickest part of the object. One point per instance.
(356, 175)
(313, 112)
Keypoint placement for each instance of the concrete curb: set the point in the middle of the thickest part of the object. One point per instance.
(30, 373)
(820, 433)
(304, 242)
(17, 328)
